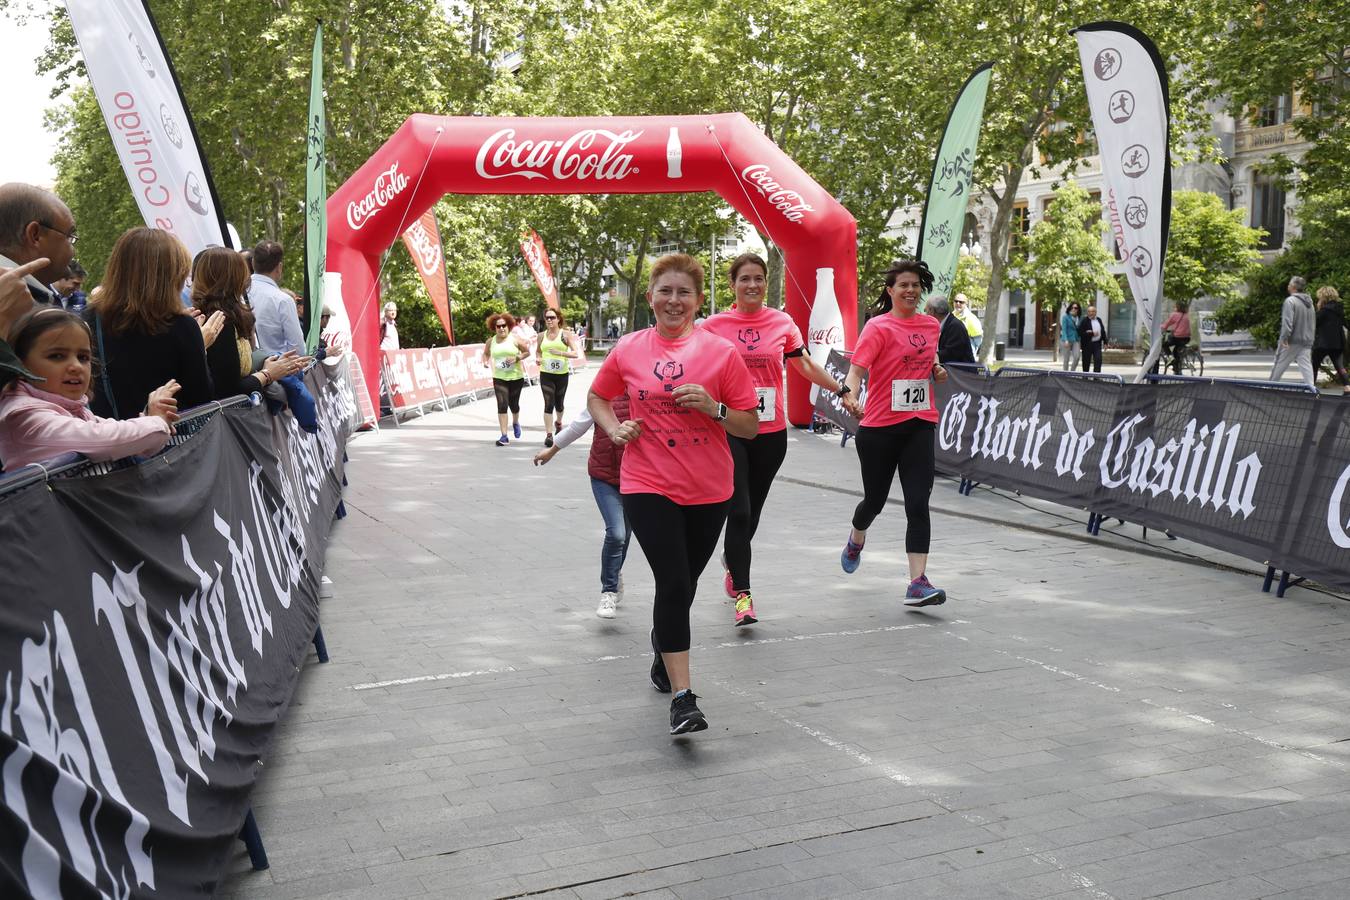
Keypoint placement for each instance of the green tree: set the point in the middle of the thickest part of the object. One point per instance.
(1300, 47)
(1063, 259)
(1321, 255)
(972, 278)
(1210, 252)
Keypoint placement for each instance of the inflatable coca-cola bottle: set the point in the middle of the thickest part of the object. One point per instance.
(825, 328)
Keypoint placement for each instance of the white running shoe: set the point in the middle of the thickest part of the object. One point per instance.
(608, 602)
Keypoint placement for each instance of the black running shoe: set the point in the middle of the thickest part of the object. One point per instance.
(685, 716)
(660, 680)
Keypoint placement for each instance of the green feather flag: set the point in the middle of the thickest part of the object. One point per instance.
(316, 196)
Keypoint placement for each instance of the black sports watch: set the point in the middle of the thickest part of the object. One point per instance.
(844, 389)
(721, 412)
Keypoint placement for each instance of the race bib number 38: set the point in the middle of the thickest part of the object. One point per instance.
(909, 395)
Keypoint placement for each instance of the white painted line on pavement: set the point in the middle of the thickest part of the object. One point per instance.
(446, 676)
(1077, 879)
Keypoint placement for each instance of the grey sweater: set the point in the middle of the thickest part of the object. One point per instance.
(1298, 322)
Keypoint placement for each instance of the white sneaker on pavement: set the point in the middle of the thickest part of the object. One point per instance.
(608, 601)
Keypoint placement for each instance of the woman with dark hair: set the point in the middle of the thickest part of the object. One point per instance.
(503, 354)
(687, 390)
(897, 351)
(554, 351)
(765, 338)
(219, 283)
(1068, 336)
(1329, 339)
(142, 334)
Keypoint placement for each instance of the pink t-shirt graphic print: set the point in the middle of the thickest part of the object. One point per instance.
(762, 340)
(899, 355)
(682, 453)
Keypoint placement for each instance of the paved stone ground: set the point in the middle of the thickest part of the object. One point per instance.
(1085, 718)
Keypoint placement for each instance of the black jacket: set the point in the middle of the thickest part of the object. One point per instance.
(1085, 330)
(1330, 327)
(134, 364)
(954, 342)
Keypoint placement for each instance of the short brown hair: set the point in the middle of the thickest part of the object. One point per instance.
(32, 325)
(746, 259)
(492, 319)
(142, 287)
(678, 262)
(219, 280)
(267, 256)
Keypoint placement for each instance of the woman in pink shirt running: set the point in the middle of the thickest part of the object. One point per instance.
(765, 338)
(897, 351)
(687, 390)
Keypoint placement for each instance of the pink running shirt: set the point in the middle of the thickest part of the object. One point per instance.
(762, 340)
(681, 454)
(899, 355)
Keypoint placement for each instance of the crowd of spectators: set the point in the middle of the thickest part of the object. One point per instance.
(105, 374)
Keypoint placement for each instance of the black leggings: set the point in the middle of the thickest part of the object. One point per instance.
(757, 462)
(508, 394)
(555, 389)
(1337, 358)
(678, 541)
(908, 447)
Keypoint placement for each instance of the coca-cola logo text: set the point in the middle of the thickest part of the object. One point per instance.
(833, 336)
(534, 256)
(426, 250)
(594, 154)
(388, 185)
(790, 203)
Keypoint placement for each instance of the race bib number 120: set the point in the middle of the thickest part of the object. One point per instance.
(909, 395)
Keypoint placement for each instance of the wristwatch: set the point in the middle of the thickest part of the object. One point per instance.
(844, 389)
(721, 412)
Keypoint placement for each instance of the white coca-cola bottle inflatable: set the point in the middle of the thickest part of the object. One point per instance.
(825, 328)
(674, 154)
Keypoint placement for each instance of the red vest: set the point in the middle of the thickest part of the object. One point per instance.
(603, 463)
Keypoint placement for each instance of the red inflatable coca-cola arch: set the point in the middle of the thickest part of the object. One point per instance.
(430, 156)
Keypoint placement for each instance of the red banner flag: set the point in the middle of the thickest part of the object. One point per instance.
(532, 245)
(423, 241)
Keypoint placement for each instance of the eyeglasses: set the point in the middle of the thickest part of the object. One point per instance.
(550, 318)
(68, 235)
(501, 325)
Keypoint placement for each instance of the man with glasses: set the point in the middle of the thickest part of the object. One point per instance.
(35, 224)
(967, 317)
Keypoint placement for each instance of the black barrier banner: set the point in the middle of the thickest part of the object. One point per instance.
(153, 625)
(829, 405)
(1261, 473)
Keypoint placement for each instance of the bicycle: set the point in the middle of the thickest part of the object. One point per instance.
(1192, 361)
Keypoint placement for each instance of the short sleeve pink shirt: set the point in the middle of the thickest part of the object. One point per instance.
(898, 354)
(762, 339)
(682, 454)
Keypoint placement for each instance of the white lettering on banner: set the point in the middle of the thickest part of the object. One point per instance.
(1200, 464)
(425, 248)
(1338, 523)
(454, 370)
(280, 533)
(1073, 447)
(388, 185)
(214, 611)
(79, 756)
(578, 157)
(953, 422)
(424, 373)
(791, 204)
(535, 257)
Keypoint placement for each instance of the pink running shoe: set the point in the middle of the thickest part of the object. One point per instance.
(745, 609)
(728, 585)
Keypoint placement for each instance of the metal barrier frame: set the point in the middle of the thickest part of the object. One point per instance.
(75, 464)
(1296, 386)
(1060, 373)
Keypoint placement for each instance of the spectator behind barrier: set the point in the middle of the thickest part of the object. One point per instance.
(49, 415)
(143, 336)
(278, 325)
(35, 224)
(68, 288)
(219, 282)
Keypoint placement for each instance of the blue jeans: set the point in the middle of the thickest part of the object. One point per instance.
(617, 533)
(975, 343)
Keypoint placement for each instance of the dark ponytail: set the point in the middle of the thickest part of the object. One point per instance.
(898, 268)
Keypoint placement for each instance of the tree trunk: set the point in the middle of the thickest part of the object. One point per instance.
(634, 281)
(776, 272)
(998, 249)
